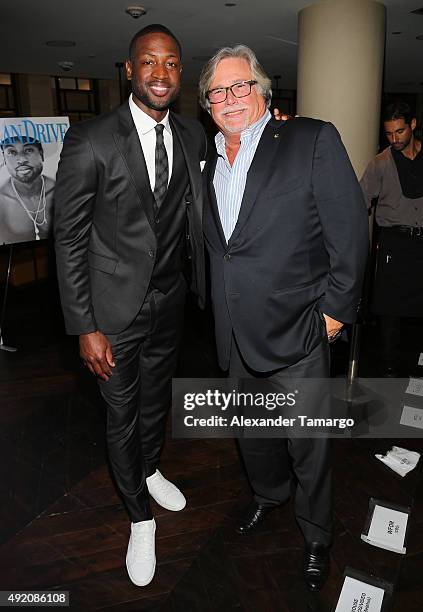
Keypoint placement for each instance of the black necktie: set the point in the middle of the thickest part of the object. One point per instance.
(162, 167)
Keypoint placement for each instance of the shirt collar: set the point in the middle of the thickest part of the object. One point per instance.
(143, 122)
(400, 155)
(247, 136)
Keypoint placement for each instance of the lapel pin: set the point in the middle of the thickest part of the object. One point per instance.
(276, 135)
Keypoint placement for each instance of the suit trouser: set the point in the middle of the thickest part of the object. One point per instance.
(138, 394)
(271, 462)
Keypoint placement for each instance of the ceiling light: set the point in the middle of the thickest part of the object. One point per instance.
(135, 11)
(66, 65)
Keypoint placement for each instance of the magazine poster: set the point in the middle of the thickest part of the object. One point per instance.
(29, 155)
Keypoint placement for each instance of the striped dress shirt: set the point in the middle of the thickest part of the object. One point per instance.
(229, 181)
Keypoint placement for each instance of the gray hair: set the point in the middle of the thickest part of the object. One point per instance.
(263, 82)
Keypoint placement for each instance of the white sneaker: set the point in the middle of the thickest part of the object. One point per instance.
(141, 555)
(165, 493)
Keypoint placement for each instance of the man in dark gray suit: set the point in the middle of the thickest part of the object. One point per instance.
(128, 209)
(286, 229)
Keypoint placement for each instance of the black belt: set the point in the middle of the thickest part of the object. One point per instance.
(413, 232)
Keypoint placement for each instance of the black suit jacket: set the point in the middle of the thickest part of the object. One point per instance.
(298, 249)
(104, 219)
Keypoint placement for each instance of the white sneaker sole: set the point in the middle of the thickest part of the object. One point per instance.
(168, 507)
(145, 582)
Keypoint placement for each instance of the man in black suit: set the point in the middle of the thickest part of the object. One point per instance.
(286, 230)
(128, 213)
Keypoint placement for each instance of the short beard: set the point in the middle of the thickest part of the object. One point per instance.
(30, 178)
(236, 130)
(143, 96)
(404, 145)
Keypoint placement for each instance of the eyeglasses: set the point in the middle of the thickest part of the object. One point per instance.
(238, 90)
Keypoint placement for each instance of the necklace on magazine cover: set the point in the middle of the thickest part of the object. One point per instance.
(37, 216)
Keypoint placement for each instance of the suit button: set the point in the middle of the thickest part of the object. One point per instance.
(226, 257)
(151, 253)
(187, 201)
(157, 221)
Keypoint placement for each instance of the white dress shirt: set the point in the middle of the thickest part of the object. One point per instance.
(229, 181)
(146, 133)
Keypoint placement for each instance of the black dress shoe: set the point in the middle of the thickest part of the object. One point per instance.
(316, 565)
(253, 515)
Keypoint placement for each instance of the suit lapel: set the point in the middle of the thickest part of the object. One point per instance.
(128, 143)
(180, 132)
(211, 195)
(261, 167)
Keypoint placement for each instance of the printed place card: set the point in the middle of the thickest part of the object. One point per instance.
(415, 387)
(412, 417)
(358, 596)
(387, 529)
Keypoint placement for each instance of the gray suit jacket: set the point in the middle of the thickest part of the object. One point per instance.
(104, 219)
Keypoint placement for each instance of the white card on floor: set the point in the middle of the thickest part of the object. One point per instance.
(387, 529)
(415, 386)
(420, 362)
(400, 460)
(357, 595)
(412, 417)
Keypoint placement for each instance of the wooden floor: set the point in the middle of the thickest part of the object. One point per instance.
(63, 527)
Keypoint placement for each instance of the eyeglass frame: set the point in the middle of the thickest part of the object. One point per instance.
(250, 83)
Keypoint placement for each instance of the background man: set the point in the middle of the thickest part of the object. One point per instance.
(395, 177)
(26, 198)
(286, 229)
(128, 184)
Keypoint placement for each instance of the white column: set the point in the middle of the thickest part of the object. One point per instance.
(340, 67)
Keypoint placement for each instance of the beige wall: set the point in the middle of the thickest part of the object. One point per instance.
(38, 98)
(108, 94)
(36, 95)
(41, 96)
